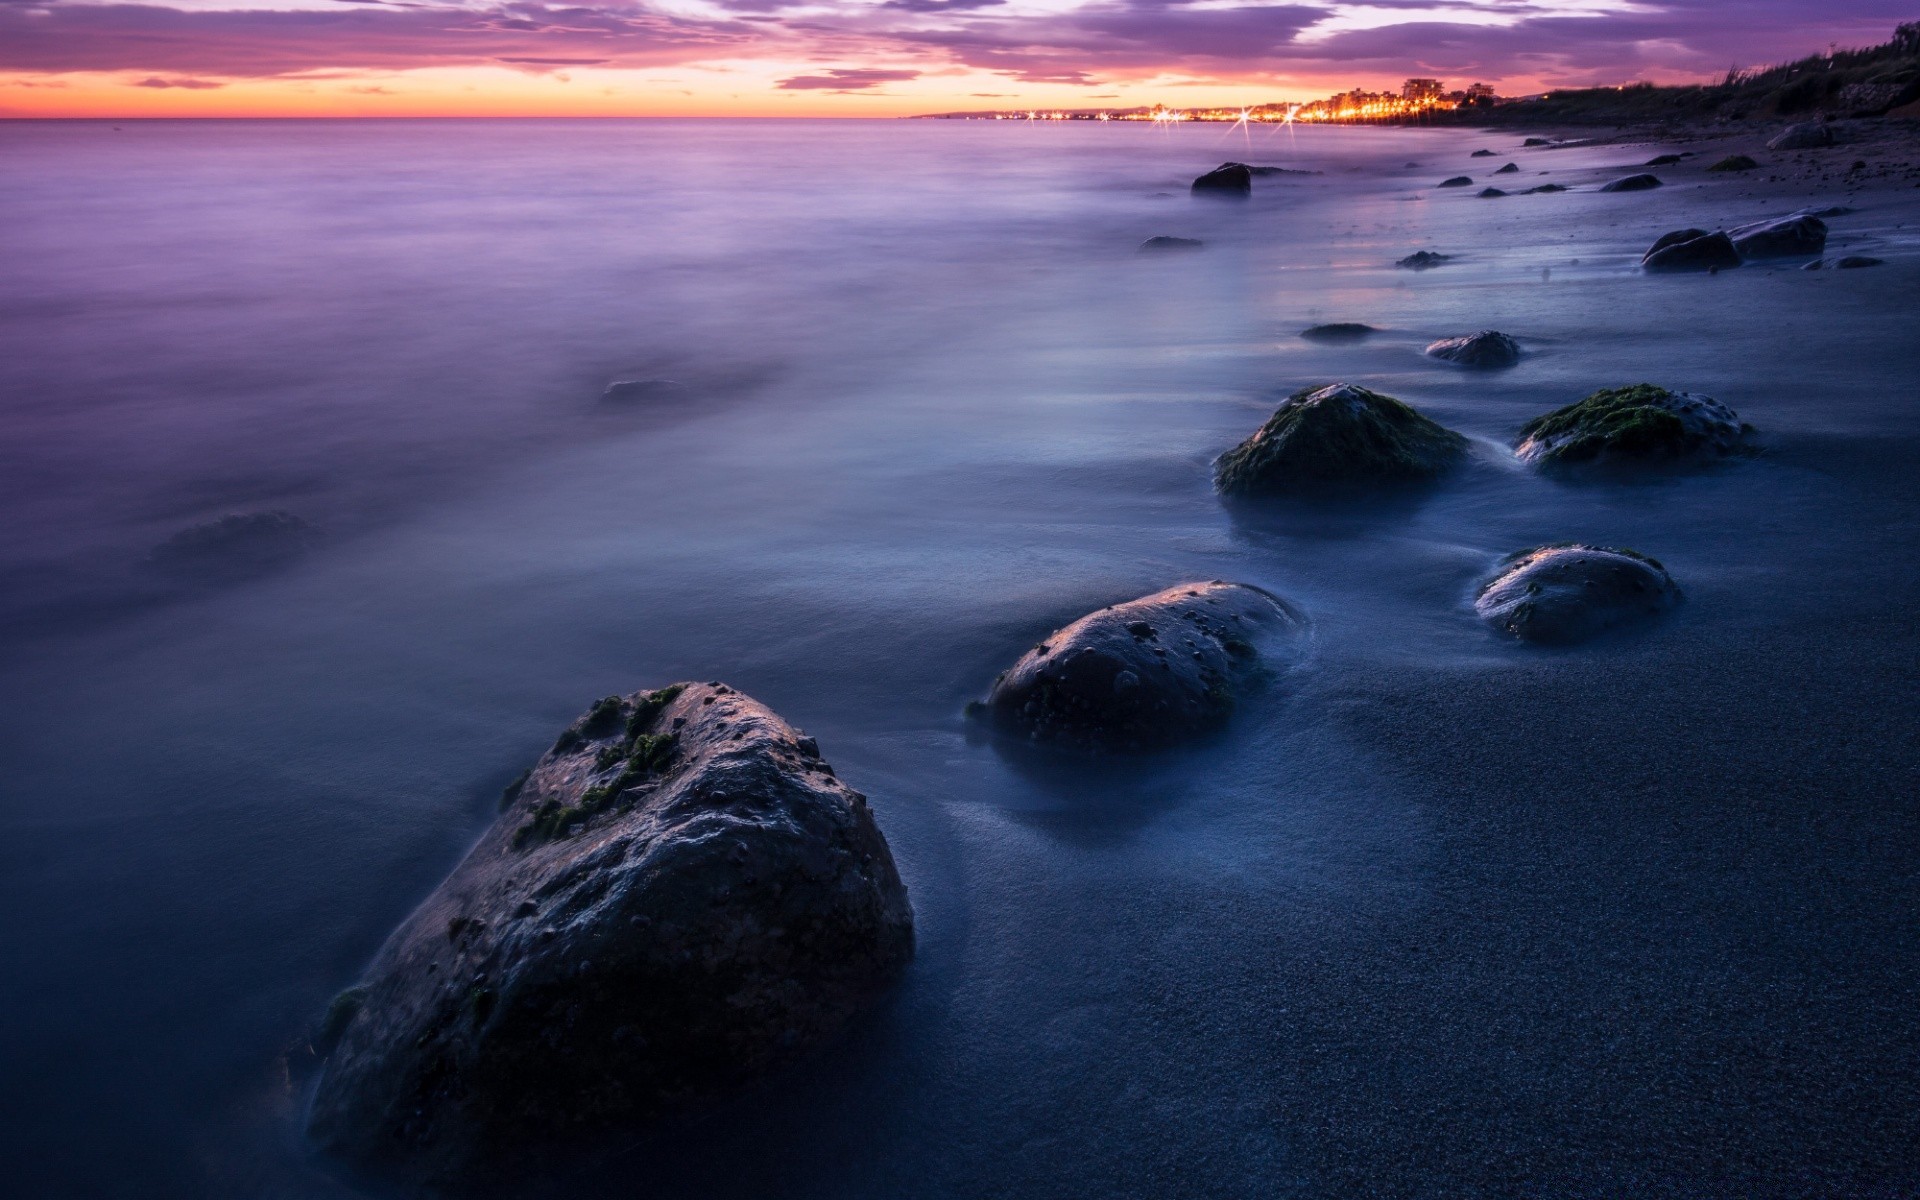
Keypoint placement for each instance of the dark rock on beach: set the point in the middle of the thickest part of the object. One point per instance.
(1423, 260)
(1481, 154)
(1662, 160)
(1809, 136)
(1334, 437)
(1633, 183)
(1636, 424)
(1546, 187)
(1227, 179)
(236, 546)
(1854, 262)
(1147, 673)
(1691, 250)
(1488, 348)
(1338, 331)
(1492, 193)
(1164, 242)
(1456, 181)
(1509, 169)
(1788, 237)
(1735, 162)
(1536, 141)
(1568, 593)
(679, 896)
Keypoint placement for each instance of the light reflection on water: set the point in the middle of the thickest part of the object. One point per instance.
(937, 405)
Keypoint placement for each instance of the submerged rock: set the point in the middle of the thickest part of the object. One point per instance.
(1640, 423)
(1423, 260)
(1227, 179)
(1456, 181)
(1509, 169)
(1488, 348)
(1691, 250)
(1662, 160)
(1568, 592)
(1146, 673)
(1164, 242)
(1537, 141)
(643, 391)
(1735, 162)
(1788, 237)
(1481, 154)
(1338, 331)
(679, 895)
(1632, 183)
(1546, 187)
(1811, 135)
(236, 546)
(1854, 262)
(1334, 436)
(1492, 193)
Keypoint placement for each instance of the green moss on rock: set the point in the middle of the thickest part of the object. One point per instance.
(1341, 434)
(1637, 423)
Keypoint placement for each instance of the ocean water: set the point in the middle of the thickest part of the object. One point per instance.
(1437, 915)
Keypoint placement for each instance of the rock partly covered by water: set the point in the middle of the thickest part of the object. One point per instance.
(1488, 348)
(1546, 187)
(679, 895)
(1338, 331)
(1788, 237)
(1691, 250)
(645, 391)
(1662, 160)
(1146, 673)
(1636, 424)
(1456, 181)
(1854, 262)
(1328, 438)
(1809, 136)
(1632, 183)
(1163, 242)
(1735, 162)
(1509, 169)
(1567, 593)
(1492, 193)
(1423, 260)
(236, 546)
(1227, 179)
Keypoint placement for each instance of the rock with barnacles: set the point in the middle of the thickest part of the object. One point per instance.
(1335, 438)
(1568, 592)
(1147, 673)
(678, 896)
(1641, 423)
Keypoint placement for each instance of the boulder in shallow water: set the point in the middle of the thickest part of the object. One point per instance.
(1488, 348)
(1537, 141)
(1423, 260)
(1633, 183)
(1637, 424)
(1147, 673)
(1735, 162)
(1456, 181)
(1546, 187)
(1163, 242)
(678, 896)
(1854, 262)
(1338, 331)
(1492, 193)
(236, 546)
(1334, 437)
(1568, 593)
(1662, 160)
(1811, 135)
(1481, 154)
(1227, 179)
(1509, 169)
(1788, 237)
(1691, 250)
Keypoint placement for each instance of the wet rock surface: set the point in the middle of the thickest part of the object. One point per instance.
(1566, 593)
(1227, 179)
(1456, 181)
(1492, 193)
(1633, 183)
(678, 895)
(1854, 262)
(1148, 673)
(1691, 250)
(235, 547)
(1423, 260)
(1487, 348)
(1509, 169)
(1545, 188)
(1636, 424)
(1335, 438)
(1338, 331)
(1787, 237)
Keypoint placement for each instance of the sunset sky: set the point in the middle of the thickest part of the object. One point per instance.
(857, 57)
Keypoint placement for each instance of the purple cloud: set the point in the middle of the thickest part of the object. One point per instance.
(845, 80)
(194, 85)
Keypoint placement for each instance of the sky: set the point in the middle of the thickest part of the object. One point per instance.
(854, 58)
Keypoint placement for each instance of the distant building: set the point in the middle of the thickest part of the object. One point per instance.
(1420, 91)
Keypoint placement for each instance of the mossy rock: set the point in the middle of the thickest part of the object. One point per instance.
(1640, 423)
(1568, 592)
(1148, 673)
(1487, 348)
(1339, 435)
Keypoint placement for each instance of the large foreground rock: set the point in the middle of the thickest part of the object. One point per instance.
(1810, 136)
(1788, 237)
(1488, 348)
(1227, 179)
(1637, 424)
(1567, 593)
(1335, 437)
(1146, 673)
(1691, 250)
(679, 896)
